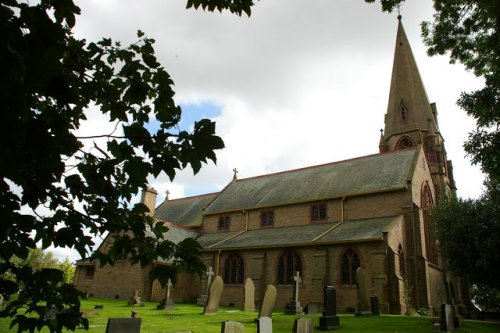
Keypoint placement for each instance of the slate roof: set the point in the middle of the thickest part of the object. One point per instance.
(311, 234)
(186, 212)
(368, 174)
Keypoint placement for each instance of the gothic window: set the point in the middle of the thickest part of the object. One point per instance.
(318, 213)
(401, 260)
(234, 269)
(430, 235)
(224, 222)
(405, 142)
(289, 263)
(267, 218)
(348, 266)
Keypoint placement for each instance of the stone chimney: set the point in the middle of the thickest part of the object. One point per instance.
(149, 199)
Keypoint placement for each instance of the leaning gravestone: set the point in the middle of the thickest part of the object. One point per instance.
(302, 325)
(329, 320)
(265, 325)
(232, 327)
(123, 325)
(214, 297)
(266, 310)
(249, 295)
(363, 308)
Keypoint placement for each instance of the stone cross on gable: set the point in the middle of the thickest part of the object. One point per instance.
(297, 280)
(210, 273)
(235, 173)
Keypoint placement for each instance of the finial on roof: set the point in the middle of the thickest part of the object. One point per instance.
(167, 193)
(398, 6)
(235, 176)
(381, 131)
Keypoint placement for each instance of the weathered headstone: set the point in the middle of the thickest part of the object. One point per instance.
(450, 325)
(202, 300)
(123, 325)
(311, 309)
(363, 308)
(136, 299)
(266, 310)
(293, 307)
(214, 297)
(329, 320)
(265, 325)
(232, 327)
(302, 325)
(374, 305)
(249, 295)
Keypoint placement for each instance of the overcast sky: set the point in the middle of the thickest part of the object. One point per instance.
(299, 83)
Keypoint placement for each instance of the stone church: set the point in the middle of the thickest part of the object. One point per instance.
(323, 221)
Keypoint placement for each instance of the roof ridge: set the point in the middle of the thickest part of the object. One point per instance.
(325, 164)
(193, 196)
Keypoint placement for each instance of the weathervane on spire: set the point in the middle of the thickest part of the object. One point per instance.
(398, 6)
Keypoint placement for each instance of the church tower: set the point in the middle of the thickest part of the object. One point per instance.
(411, 120)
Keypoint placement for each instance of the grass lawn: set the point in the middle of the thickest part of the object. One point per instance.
(188, 317)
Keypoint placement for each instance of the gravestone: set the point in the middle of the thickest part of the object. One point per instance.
(329, 319)
(265, 325)
(374, 305)
(266, 310)
(311, 309)
(450, 325)
(214, 296)
(232, 327)
(136, 299)
(167, 303)
(249, 295)
(123, 325)
(302, 325)
(293, 307)
(363, 308)
(202, 300)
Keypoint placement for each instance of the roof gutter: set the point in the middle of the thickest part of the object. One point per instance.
(336, 225)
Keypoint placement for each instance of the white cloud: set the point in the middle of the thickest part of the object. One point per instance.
(298, 83)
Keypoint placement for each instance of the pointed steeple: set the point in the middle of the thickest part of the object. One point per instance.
(408, 109)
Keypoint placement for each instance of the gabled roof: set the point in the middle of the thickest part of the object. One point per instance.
(186, 212)
(312, 234)
(368, 174)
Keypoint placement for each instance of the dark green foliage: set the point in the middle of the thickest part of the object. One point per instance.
(486, 298)
(60, 189)
(469, 236)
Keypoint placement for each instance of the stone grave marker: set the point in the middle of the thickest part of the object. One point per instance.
(374, 305)
(249, 295)
(232, 327)
(167, 303)
(329, 319)
(265, 325)
(450, 325)
(123, 325)
(302, 325)
(311, 309)
(266, 310)
(202, 300)
(136, 299)
(294, 306)
(214, 297)
(363, 308)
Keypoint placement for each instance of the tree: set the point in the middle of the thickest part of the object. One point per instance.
(469, 237)
(58, 188)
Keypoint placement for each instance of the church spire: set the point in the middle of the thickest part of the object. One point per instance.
(408, 110)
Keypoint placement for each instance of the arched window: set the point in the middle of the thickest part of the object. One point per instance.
(289, 263)
(401, 260)
(405, 142)
(348, 266)
(430, 235)
(234, 269)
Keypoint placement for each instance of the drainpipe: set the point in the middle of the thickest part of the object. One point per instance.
(218, 263)
(336, 225)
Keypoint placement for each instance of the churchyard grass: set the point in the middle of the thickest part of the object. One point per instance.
(188, 317)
